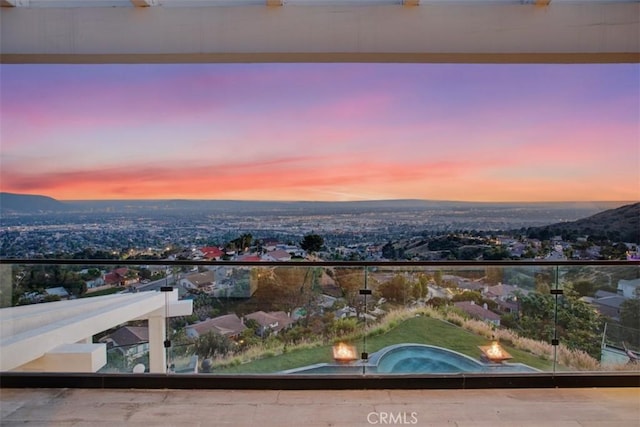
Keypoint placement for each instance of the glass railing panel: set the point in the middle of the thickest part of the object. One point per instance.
(598, 318)
(284, 318)
(287, 319)
(454, 319)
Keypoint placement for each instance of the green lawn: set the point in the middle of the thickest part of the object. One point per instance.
(421, 330)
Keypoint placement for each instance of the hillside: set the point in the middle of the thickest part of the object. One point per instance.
(28, 203)
(618, 225)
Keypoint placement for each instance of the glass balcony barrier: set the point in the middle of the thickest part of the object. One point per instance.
(293, 319)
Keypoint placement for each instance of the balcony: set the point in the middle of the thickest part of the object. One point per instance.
(226, 324)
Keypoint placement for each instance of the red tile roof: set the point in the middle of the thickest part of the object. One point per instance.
(211, 252)
(249, 258)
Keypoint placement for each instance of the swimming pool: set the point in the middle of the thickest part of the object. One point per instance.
(420, 358)
(413, 359)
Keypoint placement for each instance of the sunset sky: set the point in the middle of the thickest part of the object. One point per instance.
(322, 131)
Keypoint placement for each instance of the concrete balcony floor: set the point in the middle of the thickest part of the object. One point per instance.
(593, 407)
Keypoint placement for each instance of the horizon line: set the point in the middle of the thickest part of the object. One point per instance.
(322, 201)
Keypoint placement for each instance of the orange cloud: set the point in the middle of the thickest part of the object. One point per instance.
(283, 178)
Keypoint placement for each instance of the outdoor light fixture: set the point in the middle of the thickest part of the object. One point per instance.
(344, 352)
(494, 352)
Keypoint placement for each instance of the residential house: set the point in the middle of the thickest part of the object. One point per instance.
(229, 325)
(59, 291)
(517, 249)
(211, 253)
(608, 304)
(204, 282)
(450, 279)
(274, 321)
(509, 306)
(503, 292)
(291, 249)
(117, 277)
(478, 312)
(629, 288)
(131, 341)
(95, 283)
(277, 255)
(270, 244)
(556, 254)
(469, 285)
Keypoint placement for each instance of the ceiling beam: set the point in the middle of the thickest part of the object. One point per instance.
(433, 32)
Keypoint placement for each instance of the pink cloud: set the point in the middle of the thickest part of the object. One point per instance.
(273, 178)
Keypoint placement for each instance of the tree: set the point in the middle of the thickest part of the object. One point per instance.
(630, 313)
(390, 251)
(92, 273)
(212, 344)
(284, 288)
(578, 325)
(242, 243)
(618, 251)
(144, 274)
(350, 280)
(437, 277)
(312, 243)
(437, 302)
(396, 289)
(37, 279)
(252, 335)
(584, 288)
(494, 275)
(420, 289)
(476, 297)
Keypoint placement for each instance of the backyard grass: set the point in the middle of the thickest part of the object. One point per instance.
(421, 330)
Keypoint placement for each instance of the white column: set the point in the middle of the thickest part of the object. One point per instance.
(157, 353)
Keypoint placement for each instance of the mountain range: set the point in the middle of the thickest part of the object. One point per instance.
(30, 204)
(619, 225)
(11, 203)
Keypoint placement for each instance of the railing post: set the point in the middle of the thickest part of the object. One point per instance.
(157, 356)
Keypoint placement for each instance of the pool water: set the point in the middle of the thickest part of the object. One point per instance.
(416, 358)
(413, 359)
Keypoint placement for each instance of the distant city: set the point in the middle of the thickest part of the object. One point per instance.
(350, 230)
